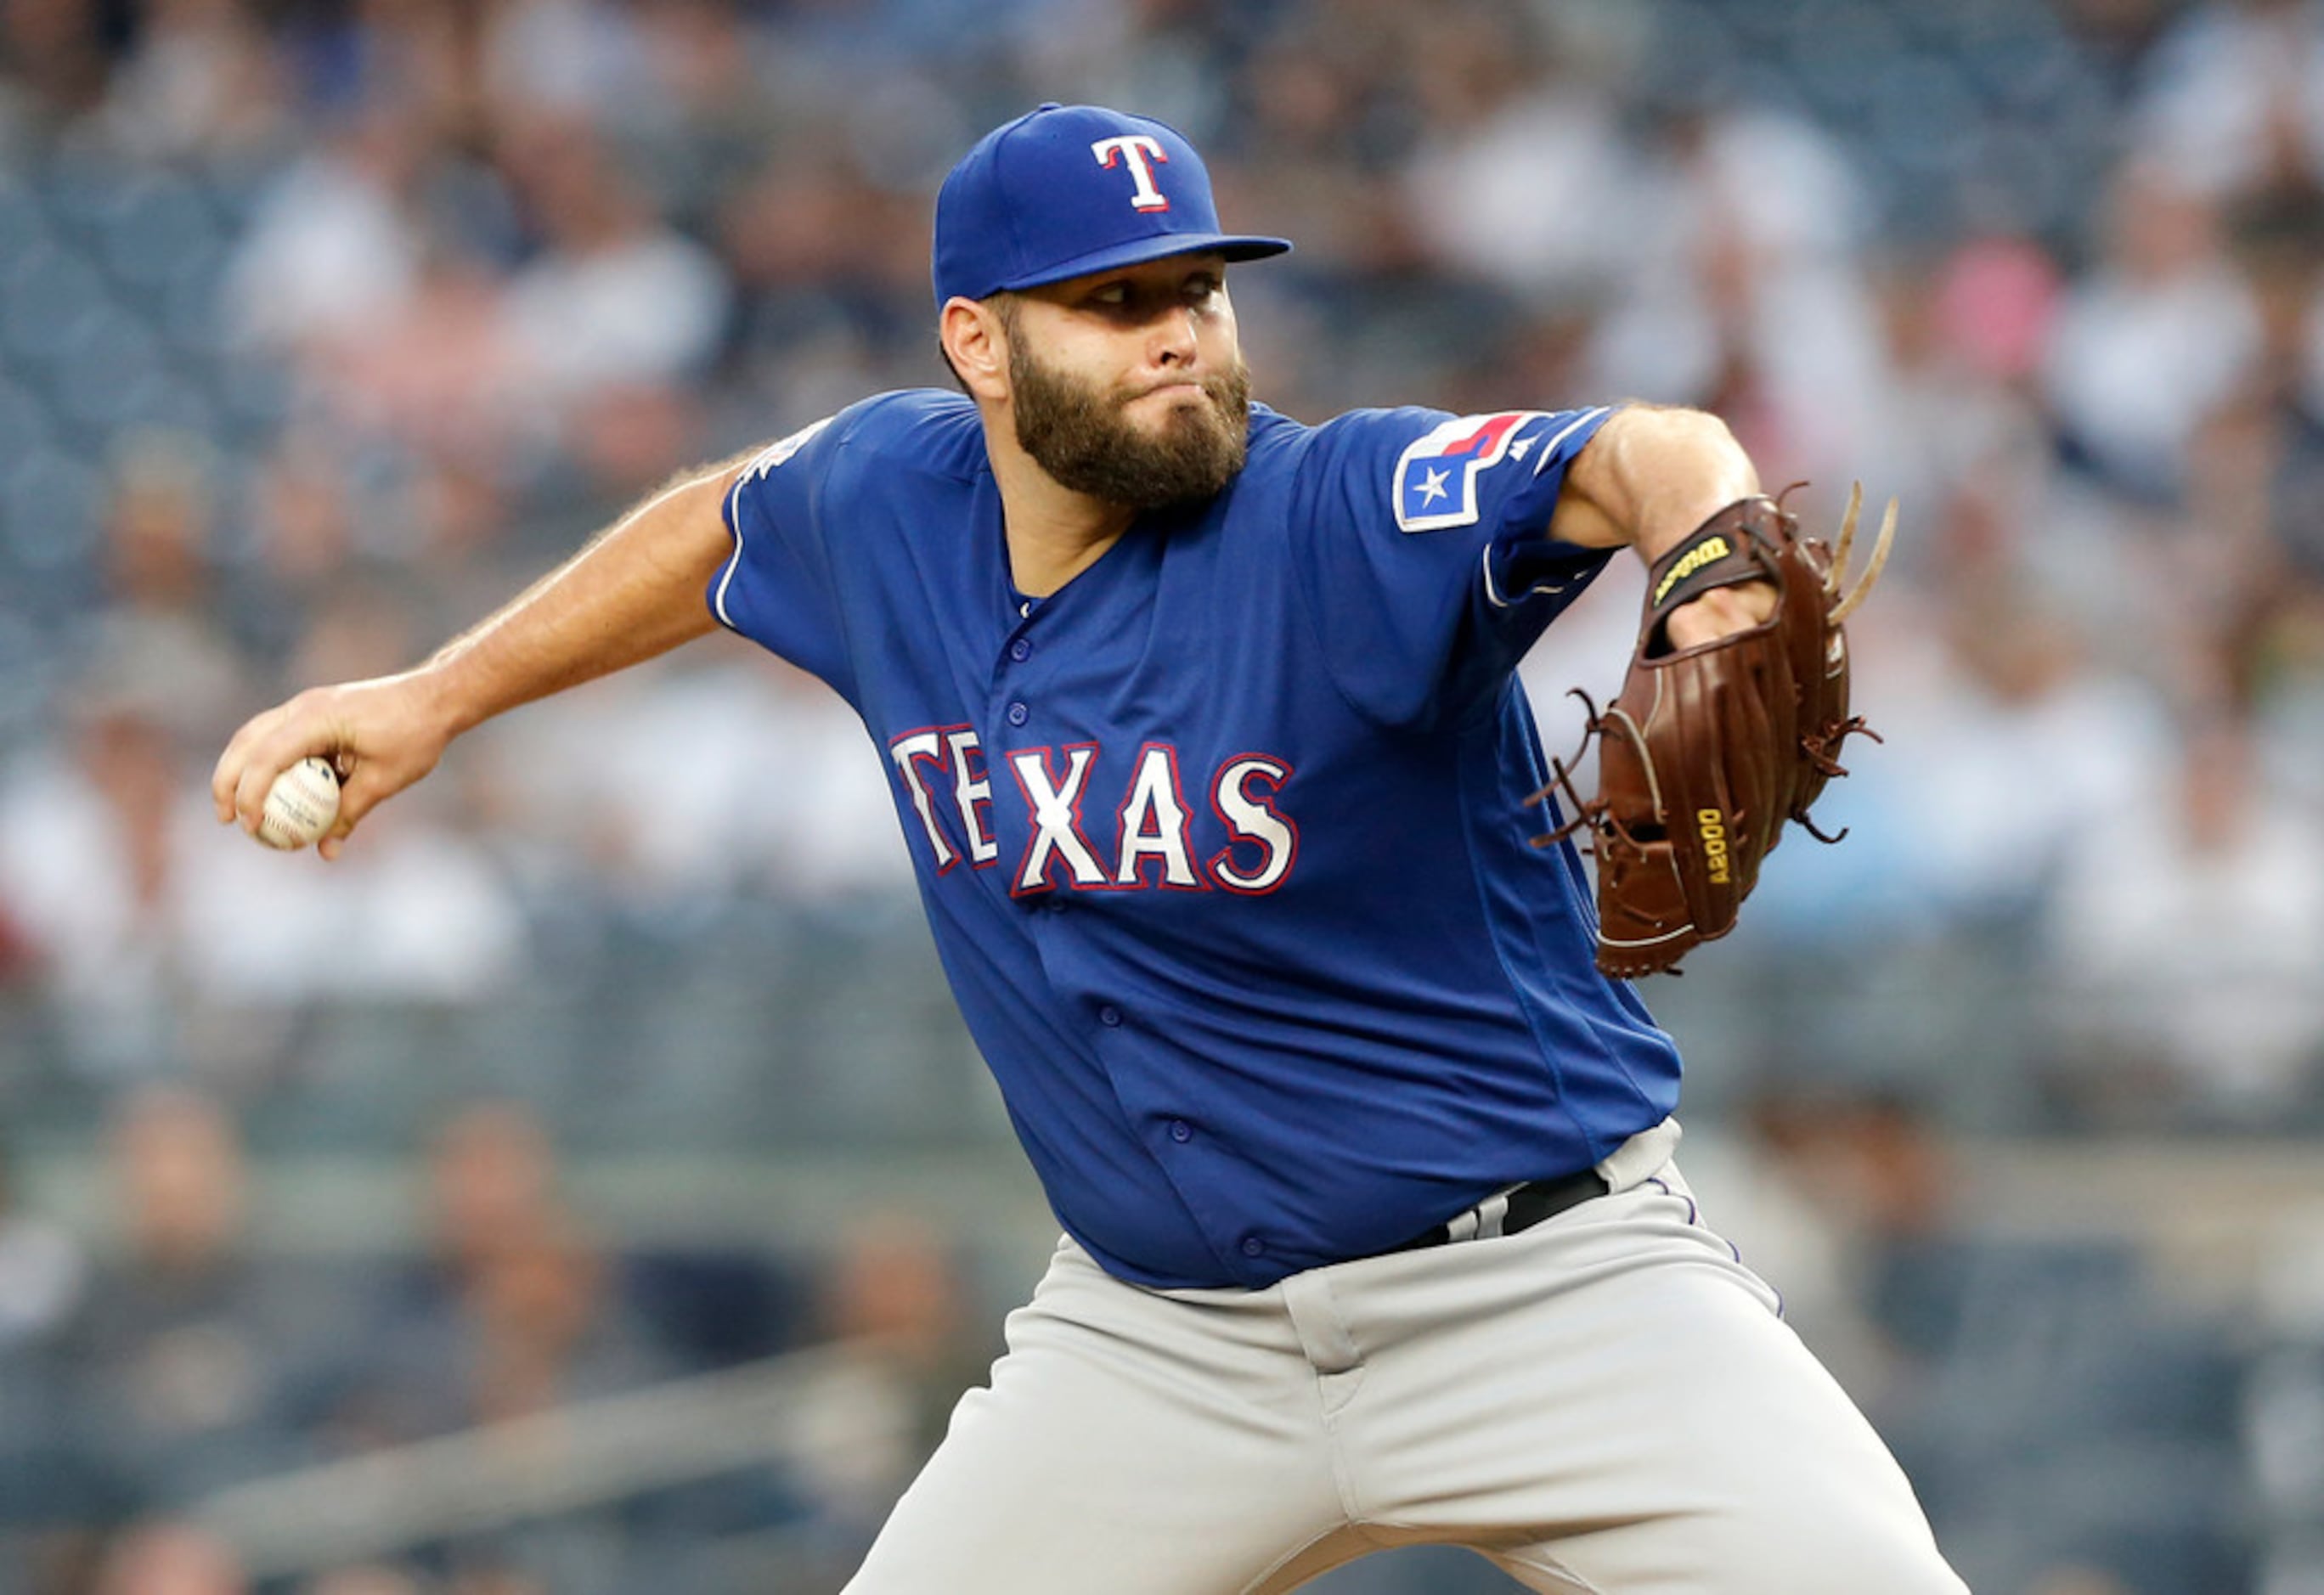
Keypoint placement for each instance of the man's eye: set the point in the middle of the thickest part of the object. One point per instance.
(1113, 295)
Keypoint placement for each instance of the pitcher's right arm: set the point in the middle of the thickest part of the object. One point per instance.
(635, 592)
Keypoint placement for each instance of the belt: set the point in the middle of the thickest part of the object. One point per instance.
(1511, 1211)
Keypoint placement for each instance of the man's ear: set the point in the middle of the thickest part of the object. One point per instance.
(976, 343)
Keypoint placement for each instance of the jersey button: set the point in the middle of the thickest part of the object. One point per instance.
(1109, 1016)
(1018, 714)
(1181, 1131)
(1252, 1246)
(1020, 651)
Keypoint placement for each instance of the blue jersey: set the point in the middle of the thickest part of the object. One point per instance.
(1223, 843)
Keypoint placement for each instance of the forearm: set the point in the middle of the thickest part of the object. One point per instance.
(1648, 479)
(635, 592)
(1650, 476)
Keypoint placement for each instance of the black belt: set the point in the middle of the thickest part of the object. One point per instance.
(1527, 1205)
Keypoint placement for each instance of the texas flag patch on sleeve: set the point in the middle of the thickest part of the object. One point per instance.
(1436, 476)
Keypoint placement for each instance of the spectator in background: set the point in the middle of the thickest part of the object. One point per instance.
(165, 1557)
(2184, 937)
(200, 81)
(300, 532)
(776, 794)
(704, 122)
(543, 1329)
(1954, 412)
(577, 58)
(336, 243)
(2262, 481)
(1517, 143)
(432, 371)
(891, 1282)
(492, 1181)
(58, 67)
(158, 553)
(42, 1274)
(2234, 98)
(191, 1355)
(95, 834)
(2019, 740)
(1876, 1173)
(43, 1277)
(829, 268)
(1746, 292)
(2151, 341)
(654, 303)
(510, 1315)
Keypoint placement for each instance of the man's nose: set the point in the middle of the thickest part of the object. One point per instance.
(1173, 337)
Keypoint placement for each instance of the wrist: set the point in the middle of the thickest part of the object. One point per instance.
(1663, 527)
(439, 696)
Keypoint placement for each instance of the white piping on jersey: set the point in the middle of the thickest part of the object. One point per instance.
(1494, 598)
(782, 448)
(1548, 453)
(734, 561)
(1549, 449)
(764, 461)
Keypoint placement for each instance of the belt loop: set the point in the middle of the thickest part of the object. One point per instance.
(1491, 1213)
(1482, 1222)
(1640, 1155)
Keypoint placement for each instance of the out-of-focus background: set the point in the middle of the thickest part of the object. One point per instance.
(586, 1185)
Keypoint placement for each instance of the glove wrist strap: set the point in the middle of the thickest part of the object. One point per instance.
(1734, 546)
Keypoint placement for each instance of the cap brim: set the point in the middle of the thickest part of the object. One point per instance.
(1235, 246)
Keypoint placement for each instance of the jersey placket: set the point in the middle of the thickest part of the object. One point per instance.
(1059, 776)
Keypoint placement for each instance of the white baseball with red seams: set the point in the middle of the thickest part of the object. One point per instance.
(300, 806)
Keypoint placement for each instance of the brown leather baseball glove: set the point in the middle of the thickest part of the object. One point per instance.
(1709, 750)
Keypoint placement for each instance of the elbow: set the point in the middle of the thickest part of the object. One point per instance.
(1682, 446)
(1679, 429)
(1668, 469)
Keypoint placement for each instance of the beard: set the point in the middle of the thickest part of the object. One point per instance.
(1078, 434)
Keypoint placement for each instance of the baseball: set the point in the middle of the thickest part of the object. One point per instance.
(300, 806)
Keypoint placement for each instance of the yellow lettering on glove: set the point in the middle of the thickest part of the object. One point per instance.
(1692, 561)
(1712, 826)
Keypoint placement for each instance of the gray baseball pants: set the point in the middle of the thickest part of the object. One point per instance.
(1605, 1404)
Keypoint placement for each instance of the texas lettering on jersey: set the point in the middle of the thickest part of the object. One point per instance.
(1149, 841)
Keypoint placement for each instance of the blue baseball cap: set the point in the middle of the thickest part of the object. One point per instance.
(1067, 189)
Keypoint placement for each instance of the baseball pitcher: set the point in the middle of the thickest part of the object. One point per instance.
(1203, 733)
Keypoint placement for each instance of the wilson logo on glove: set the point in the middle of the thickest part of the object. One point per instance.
(1741, 732)
(1696, 558)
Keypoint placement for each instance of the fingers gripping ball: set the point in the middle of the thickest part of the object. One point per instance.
(302, 806)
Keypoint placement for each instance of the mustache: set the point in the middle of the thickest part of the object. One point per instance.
(1216, 385)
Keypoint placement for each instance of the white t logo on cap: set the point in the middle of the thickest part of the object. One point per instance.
(1135, 148)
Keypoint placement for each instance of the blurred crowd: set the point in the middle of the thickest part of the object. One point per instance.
(327, 324)
(144, 1379)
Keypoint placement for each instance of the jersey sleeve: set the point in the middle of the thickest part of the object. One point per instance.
(1423, 550)
(778, 587)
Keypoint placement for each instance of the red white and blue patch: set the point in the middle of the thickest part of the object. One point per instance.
(1436, 476)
